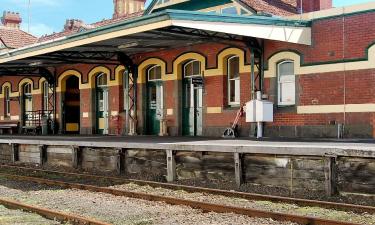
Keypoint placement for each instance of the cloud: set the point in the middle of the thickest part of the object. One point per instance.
(38, 29)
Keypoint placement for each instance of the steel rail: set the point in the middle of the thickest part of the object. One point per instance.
(232, 194)
(50, 214)
(205, 207)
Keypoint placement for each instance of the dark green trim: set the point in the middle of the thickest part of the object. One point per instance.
(344, 15)
(303, 64)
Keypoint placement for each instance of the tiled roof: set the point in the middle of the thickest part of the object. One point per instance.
(274, 7)
(15, 38)
(87, 27)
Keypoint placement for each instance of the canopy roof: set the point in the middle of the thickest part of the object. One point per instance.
(157, 31)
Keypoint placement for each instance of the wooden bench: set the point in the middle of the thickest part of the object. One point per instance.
(9, 126)
(33, 130)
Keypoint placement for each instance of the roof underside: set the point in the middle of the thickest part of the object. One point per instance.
(155, 32)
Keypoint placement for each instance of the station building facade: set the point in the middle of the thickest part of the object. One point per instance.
(318, 89)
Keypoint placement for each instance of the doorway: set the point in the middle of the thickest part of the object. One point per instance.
(27, 105)
(71, 106)
(154, 100)
(102, 104)
(192, 105)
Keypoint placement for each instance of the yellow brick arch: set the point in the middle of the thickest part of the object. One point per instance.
(26, 81)
(93, 73)
(119, 70)
(9, 85)
(182, 59)
(64, 76)
(281, 56)
(142, 69)
(224, 55)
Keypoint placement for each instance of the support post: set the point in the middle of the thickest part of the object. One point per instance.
(14, 148)
(76, 156)
(43, 154)
(330, 173)
(238, 169)
(171, 166)
(120, 167)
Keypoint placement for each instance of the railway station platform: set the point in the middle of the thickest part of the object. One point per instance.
(306, 147)
(326, 165)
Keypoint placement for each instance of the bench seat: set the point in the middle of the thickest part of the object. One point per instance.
(9, 126)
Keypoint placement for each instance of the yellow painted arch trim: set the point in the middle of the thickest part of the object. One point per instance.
(229, 52)
(178, 63)
(118, 76)
(64, 76)
(92, 74)
(142, 69)
(9, 85)
(26, 81)
(315, 69)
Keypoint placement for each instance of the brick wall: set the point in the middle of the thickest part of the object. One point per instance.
(329, 45)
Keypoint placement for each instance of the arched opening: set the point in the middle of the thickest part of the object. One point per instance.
(233, 81)
(71, 109)
(192, 99)
(154, 99)
(6, 102)
(27, 105)
(101, 100)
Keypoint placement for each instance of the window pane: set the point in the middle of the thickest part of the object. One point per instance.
(154, 73)
(192, 69)
(101, 80)
(196, 68)
(286, 68)
(229, 10)
(234, 70)
(287, 93)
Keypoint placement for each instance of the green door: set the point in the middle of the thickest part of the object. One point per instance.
(154, 106)
(102, 110)
(192, 108)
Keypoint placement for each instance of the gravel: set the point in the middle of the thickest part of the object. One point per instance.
(261, 205)
(118, 210)
(18, 217)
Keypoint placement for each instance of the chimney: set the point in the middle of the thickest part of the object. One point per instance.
(127, 7)
(11, 19)
(313, 5)
(73, 24)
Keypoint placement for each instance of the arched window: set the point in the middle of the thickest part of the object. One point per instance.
(154, 73)
(192, 68)
(234, 89)
(45, 92)
(6, 102)
(27, 89)
(286, 83)
(101, 80)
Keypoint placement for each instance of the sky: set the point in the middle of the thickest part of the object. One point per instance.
(48, 16)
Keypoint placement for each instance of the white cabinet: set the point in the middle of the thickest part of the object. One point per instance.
(259, 111)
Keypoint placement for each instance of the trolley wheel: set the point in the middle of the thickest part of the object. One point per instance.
(229, 133)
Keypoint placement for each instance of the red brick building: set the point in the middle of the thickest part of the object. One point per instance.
(316, 67)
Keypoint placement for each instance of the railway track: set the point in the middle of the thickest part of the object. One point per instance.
(206, 207)
(50, 214)
(232, 194)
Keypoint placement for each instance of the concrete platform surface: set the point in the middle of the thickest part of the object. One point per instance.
(307, 147)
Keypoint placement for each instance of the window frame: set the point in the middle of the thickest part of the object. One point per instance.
(279, 83)
(100, 76)
(45, 95)
(229, 7)
(6, 101)
(230, 103)
(191, 62)
(148, 73)
(27, 87)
